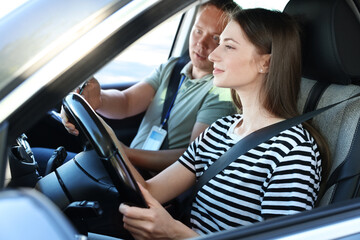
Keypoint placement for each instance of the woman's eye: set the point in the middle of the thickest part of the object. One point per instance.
(228, 47)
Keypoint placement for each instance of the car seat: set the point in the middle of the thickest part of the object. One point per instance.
(331, 73)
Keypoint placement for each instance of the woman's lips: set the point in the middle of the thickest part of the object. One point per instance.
(217, 71)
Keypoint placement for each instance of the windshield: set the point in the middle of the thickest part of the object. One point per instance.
(33, 33)
(9, 6)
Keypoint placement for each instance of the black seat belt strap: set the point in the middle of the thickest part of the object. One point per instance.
(171, 91)
(315, 93)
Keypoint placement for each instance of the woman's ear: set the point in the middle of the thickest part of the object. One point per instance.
(264, 63)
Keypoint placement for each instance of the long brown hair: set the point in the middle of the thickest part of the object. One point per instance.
(278, 34)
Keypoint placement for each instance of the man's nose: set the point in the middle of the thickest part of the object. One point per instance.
(203, 42)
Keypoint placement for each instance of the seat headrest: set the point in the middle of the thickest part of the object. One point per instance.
(330, 39)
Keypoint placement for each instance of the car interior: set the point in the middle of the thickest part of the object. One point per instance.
(331, 73)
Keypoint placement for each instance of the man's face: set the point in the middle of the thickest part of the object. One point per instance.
(205, 37)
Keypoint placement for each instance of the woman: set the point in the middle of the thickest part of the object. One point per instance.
(259, 59)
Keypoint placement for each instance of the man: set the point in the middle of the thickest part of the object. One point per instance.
(197, 104)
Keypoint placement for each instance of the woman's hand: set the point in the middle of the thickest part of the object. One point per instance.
(154, 222)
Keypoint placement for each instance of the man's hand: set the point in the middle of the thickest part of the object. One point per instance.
(70, 127)
(91, 92)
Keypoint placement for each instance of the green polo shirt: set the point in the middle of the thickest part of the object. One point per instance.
(197, 101)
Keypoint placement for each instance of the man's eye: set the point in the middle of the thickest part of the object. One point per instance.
(216, 38)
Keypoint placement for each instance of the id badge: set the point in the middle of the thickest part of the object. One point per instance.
(155, 139)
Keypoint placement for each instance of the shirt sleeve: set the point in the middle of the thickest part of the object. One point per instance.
(188, 159)
(217, 104)
(160, 73)
(294, 184)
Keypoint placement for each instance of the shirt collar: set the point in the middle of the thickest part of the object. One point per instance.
(187, 72)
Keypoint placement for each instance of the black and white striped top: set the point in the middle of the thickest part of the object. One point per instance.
(278, 177)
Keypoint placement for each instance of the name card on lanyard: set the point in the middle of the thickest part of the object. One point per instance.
(157, 134)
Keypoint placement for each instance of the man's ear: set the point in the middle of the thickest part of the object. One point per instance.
(264, 63)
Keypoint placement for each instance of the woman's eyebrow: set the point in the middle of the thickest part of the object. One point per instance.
(228, 40)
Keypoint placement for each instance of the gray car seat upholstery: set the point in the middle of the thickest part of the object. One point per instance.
(331, 72)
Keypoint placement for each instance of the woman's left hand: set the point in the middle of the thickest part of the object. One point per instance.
(148, 223)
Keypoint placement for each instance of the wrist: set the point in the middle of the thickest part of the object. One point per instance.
(181, 231)
(126, 150)
(101, 99)
(129, 153)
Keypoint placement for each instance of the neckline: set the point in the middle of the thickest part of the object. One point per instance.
(231, 131)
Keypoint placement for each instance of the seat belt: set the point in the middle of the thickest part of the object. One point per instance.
(170, 92)
(250, 141)
(346, 169)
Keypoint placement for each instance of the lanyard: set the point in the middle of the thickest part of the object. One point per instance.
(167, 116)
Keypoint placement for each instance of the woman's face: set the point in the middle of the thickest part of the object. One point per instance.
(237, 64)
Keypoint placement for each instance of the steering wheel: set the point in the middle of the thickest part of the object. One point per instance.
(89, 123)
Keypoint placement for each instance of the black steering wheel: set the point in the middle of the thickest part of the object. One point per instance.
(89, 123)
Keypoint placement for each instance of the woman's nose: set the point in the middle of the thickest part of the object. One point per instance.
(213, 56)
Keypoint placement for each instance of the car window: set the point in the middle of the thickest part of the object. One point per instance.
(138, 60)
(60, 24)
(273, 4)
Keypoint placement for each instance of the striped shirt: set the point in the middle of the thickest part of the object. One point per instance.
(278, 177)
